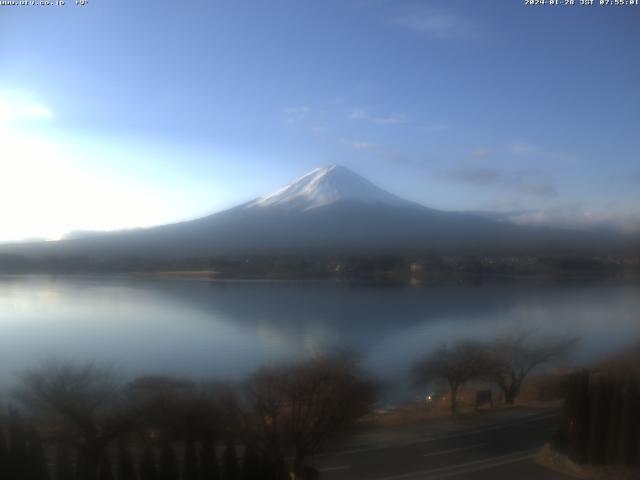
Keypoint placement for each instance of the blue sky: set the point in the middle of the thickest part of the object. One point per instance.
(120, 114)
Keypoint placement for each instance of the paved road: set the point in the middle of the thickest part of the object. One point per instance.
(493, 446)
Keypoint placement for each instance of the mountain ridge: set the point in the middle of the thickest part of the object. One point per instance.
(328, 210)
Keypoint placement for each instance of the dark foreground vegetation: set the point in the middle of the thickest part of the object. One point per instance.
(79, 423)
(600, 422)
(601, 419)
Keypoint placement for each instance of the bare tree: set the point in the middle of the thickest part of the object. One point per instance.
(296, 410)
(161, 402)
(514, 356)
(456, 365)
(81, 403)
(178, 408)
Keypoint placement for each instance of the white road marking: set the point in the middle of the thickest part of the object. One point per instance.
(428, 439)
(444, 452)
(488, 466)
(467, 467)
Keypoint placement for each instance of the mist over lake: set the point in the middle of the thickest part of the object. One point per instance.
(206, 329)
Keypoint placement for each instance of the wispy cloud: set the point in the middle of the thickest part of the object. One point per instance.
(362, 145)
(522, 148)
(436, 127)
(560, 157)
(358, 114)
(443, 25)
(481, 152)
(538, 187)
(296, 114)
(381, 152)
(361, 114)
(318, 130)
(579, 216)
(403, 159)
(532, 183)
(390, 120)
(397, 158)
(526, 149)
(475, 176)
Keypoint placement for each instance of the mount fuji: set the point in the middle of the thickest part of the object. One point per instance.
(325, 186)
(329, 210)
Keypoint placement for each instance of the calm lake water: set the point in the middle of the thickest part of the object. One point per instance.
(226, 329)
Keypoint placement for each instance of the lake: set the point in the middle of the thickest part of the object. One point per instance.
(221, 329)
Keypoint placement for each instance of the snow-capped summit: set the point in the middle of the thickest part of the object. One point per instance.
(324, 186)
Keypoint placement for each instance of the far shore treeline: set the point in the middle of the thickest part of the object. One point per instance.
(392, 267)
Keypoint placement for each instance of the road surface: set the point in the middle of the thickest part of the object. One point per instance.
(495, 445)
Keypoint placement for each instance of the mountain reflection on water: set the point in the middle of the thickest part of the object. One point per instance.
(227, 329)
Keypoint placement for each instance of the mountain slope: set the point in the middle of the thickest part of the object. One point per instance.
(329, 210)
